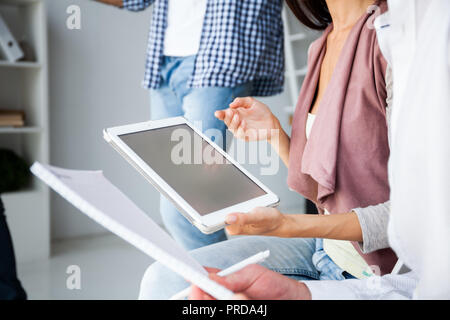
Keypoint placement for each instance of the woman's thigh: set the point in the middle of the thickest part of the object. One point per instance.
(292, 257)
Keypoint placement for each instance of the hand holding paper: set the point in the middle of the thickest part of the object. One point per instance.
(100, 200)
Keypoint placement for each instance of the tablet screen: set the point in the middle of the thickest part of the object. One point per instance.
(202, 176)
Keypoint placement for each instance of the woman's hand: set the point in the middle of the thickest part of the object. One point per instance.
(255, 282)
(271, 222)
(249, 119)
(259, 221)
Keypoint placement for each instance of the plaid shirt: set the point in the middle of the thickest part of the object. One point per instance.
(242, 41)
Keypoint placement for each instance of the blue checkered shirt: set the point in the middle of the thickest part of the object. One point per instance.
(242, 41)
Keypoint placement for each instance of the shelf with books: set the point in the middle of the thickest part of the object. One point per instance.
(24, 88)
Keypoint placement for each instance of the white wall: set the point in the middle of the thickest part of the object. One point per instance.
(95, 76)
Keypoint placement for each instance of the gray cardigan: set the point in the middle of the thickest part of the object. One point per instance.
(374, 219)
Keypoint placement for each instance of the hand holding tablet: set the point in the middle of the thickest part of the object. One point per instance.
(260, 221)
(204, 189)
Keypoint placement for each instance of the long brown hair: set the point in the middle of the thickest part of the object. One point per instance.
(312, 13)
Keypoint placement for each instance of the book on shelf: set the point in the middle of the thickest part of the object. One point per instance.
(12, 118)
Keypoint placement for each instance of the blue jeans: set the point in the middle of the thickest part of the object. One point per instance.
(174, 98)
(297, 258)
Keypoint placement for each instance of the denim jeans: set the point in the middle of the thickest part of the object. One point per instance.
(297, 258)
(10, 287)
(174, 98)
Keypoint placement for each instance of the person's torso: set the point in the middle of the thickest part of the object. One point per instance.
(184, 27)
(334, 46)
(418, 44)
(240, 41)
(343, 164)
(342, 252)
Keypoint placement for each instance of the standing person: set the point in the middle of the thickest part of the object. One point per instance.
(202, 54)
(10, 287)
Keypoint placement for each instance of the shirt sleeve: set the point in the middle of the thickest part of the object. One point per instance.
(388, 287)
(374, 219)
(136, 5)
(374, 225)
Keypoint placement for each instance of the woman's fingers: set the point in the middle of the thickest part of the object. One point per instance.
(224, 115)
(212, 270)
(198, 294)
(234, 124)
(255, 216)
(238, 223)
(257, 221)
(240, 133)
(245, 102)
(228, 117)
(232, 120)
(234, 225)
(220, 114)
(232, 218)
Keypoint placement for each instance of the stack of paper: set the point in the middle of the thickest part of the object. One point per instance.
(99, 199)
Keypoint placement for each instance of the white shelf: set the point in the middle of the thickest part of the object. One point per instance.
(297, 37)
(19, 130)
(297, 41)
(29, 229)
(18, 2)
(24, 86)
(298, 72)
(289, 109)
(301, 72)
(20, 64)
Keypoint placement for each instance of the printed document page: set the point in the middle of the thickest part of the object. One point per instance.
(99, 199)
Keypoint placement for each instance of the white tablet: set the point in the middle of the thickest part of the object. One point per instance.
(203, 189)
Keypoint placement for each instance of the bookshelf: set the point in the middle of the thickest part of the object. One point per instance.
(23, 86)
(297, 40)
(20, 64)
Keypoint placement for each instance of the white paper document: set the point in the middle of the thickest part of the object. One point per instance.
(100, 200)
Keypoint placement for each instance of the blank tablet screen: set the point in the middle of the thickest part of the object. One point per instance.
(193, 168)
